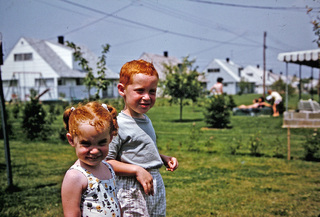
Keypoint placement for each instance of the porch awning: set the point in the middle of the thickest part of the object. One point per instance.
(307, 57)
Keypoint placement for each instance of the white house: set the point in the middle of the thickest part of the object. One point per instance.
(229, 71)
(159, 60)
(48, 67)
(255, 74)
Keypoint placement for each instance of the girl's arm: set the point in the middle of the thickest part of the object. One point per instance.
(142, 175)
(170, 162)
(71, 190)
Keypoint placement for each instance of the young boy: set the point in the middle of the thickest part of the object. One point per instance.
(133, 153)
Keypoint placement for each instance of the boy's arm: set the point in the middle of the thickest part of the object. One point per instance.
(71, 191)
(170, 162)
(142, 175)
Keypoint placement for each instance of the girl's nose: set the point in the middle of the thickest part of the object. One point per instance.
(94, 151)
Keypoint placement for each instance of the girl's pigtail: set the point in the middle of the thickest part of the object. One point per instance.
(113, 113)
(66, 116)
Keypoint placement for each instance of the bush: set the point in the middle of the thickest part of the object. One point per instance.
(255, 144)
(312, 147)
(217, 113)
(34, 122)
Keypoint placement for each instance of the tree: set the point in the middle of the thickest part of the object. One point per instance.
(102, 82)
(182, 82)
(280, 86)
(316, 25)
(90, 81)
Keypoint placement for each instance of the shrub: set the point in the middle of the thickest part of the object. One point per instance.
(217, 113)
(255, 144)
(15, 110)
(235, 145)
(312, 146)
(34, 122)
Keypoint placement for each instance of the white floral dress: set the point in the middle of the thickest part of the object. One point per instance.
(99, 199)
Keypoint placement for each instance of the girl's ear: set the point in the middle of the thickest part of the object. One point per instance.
(70, 139)
(121, 89)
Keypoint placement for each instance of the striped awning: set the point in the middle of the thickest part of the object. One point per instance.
(307, 57)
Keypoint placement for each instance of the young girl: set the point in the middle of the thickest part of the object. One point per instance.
(88, 188)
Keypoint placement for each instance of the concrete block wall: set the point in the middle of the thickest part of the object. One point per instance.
(294, 119)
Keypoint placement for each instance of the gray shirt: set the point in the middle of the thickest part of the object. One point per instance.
(135, 143)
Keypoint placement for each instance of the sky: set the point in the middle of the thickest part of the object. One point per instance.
(201, 29)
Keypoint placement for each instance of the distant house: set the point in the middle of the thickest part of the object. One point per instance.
(255, 74)
(159, 60)
(231, 74)
(49, 68)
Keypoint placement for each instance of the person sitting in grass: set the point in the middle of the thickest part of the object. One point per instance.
(255, 104)
(133, 153)
(89, 187)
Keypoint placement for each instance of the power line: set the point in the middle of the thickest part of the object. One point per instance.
(251, 6)
(149, 26)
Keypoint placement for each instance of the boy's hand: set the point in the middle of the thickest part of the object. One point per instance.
(146, 180)
(170, 162)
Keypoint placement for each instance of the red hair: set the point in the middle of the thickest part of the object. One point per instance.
(93, 113)
(136, 67)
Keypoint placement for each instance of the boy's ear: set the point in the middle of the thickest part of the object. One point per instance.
(121, 89)
(70, 139)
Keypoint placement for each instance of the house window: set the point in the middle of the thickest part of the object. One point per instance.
(23, 57)
(79, 81)
(61, 82)
(214, 70)
(41, 82)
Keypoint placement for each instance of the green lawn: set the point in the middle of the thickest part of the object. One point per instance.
(210, 181)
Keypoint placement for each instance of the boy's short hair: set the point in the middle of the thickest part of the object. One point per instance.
(136, 67)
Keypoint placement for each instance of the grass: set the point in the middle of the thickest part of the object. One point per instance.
(210, 181)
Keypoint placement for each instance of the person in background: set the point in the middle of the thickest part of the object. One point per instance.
(133, 153)
(89, 188)
(277, 100)
(217, 88)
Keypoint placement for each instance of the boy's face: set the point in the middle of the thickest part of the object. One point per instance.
(140, 95)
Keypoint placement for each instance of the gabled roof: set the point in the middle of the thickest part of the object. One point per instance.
(159, 60)
(255, 75)
(59, 66)
(55, 62)
(228, 66)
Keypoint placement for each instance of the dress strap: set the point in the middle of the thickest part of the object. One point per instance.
(85, 172)
(110, 168)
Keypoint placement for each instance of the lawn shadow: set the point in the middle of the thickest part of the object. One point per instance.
(45, 185)
(187, 120)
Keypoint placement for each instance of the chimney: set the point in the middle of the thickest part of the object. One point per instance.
(60, 39)
(227, 59)
(239, 71)
(165, 53)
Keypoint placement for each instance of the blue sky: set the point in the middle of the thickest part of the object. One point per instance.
(202, 29)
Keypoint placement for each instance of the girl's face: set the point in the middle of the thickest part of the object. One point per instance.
(91, 146)
(139, 96)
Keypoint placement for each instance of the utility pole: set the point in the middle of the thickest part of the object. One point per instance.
(264, 63)
(4, 124)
